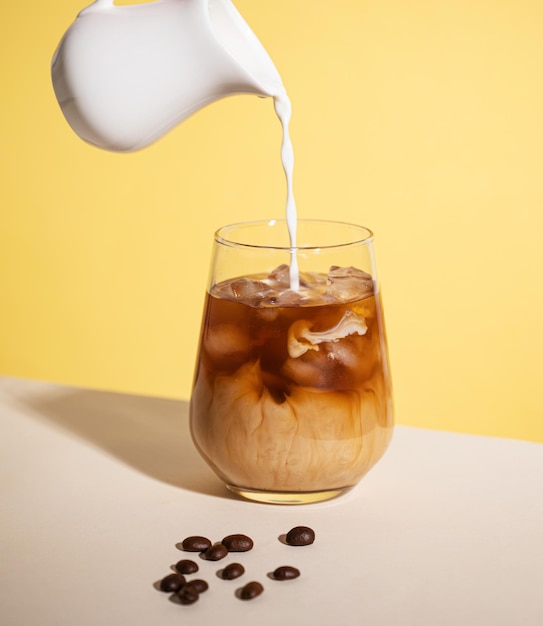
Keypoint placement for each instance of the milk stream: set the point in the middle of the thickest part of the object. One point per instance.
(283, 110)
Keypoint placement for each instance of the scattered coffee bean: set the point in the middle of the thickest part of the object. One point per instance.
(186, 566)
(300, 536)
(187, 595)
(188, 592)
(198, 585)
(238, 543)
(286, 572)
(172, 582)
(251, 590)
(234, 570)
(196, 544)
(216, 552)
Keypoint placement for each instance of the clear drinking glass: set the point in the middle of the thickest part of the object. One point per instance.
(291, 400)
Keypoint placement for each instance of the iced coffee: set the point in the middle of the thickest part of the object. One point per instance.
(292, 390)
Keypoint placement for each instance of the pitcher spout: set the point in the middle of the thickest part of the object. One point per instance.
(240, 41)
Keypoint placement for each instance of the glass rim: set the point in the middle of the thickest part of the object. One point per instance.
(219, 235)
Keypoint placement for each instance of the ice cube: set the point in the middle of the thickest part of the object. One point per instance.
(348, 283)
(310, 371)
(249, 291)
(268, 312)
(227, 346)
(301, 338)
(343, 353)
(289, 298)
(335, 365)
(340, 358)
(280, 294)
(280, 277)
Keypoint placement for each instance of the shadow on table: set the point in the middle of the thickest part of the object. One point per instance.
(149, 434)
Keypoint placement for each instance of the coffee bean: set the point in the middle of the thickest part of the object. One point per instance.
(187, 595)
(234, 570)
(238, 543)
(251, 590)
(300, 536)
(198, 585)
(286, 572)
(216, 552)
(172, 582)
(186, 566)
(196, 544)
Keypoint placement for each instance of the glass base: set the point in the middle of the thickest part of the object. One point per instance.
(287, 497)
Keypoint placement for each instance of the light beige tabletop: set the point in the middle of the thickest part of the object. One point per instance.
(98, 488)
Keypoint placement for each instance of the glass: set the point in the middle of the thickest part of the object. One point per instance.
(292, 399)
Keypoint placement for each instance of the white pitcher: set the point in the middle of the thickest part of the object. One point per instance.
(125, 75)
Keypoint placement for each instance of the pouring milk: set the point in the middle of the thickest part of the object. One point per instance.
(125, 75)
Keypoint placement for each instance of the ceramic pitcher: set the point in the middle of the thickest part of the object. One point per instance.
(125, 75)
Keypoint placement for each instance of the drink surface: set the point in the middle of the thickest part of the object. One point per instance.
(292, 389)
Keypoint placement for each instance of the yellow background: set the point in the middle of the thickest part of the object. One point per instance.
(422, 119)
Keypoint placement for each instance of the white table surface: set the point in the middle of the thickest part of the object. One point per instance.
(98, 488)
